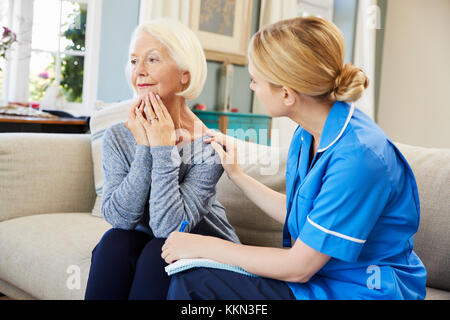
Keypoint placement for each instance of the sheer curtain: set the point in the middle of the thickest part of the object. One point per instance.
(176, 9)
(17, 73)
(271, 12)
(368, 20)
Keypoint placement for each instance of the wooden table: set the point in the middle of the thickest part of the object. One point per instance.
(9, 123)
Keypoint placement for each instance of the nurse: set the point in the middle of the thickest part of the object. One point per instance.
(351, 206)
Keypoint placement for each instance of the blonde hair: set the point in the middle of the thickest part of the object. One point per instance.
(184, 48)
(307, 55)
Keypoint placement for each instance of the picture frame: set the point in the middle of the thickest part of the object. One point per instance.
(223, 27)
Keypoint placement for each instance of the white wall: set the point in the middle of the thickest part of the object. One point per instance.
(414, 103)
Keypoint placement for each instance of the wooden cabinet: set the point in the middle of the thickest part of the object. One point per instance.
(248, 127)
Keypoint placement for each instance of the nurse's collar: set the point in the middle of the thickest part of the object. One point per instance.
(335, 125)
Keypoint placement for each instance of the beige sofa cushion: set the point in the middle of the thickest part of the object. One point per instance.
(431, 168)
(436, 294)
(40, 253)
(35, 170)
(14, 292)
(100, 121)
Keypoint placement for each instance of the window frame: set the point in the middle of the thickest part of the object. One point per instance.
(18, 78)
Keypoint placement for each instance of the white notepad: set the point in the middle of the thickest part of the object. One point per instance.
(186, 264)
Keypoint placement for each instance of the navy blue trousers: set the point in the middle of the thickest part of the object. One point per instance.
(127, 264)
(213, 284)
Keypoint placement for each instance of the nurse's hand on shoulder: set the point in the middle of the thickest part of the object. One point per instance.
(226, 147)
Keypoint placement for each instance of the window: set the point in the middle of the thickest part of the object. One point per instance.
(318, 8)
(58, 58)
(58, 48)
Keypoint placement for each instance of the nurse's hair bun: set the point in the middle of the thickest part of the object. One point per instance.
(350, 84)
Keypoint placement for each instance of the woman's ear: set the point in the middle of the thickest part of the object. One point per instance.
(185, 77)
(289, 98)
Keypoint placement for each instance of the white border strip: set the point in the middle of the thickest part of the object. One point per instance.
(337, 234)
(350, 114)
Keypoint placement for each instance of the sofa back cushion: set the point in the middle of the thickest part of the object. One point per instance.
(100, 121)
(44, 173)
(252, 225)
(431, 168)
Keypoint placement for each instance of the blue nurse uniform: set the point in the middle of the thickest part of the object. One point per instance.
(357, 202)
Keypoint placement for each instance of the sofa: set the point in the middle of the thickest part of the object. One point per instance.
(48, 231)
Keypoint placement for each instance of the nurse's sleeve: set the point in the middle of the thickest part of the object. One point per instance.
(355, 190)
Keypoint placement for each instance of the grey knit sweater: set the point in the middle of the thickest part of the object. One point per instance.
(153, 189)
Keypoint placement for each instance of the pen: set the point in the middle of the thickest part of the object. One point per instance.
(183, 225)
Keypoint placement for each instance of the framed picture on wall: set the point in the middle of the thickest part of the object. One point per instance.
(223, 27)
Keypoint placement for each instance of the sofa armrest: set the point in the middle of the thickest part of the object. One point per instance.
(45, 173)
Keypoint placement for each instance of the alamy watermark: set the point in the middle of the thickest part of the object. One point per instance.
(373, 17)
(374, 280)
(73, 281)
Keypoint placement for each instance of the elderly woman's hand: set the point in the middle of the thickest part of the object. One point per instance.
(134, 125)
(158, 123)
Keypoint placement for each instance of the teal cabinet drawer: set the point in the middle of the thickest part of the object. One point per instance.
(250, 121)
(211, 124)
(248, 127)
(207, 116)
(251, 133)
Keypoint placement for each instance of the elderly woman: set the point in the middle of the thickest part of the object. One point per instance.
(152, 181)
